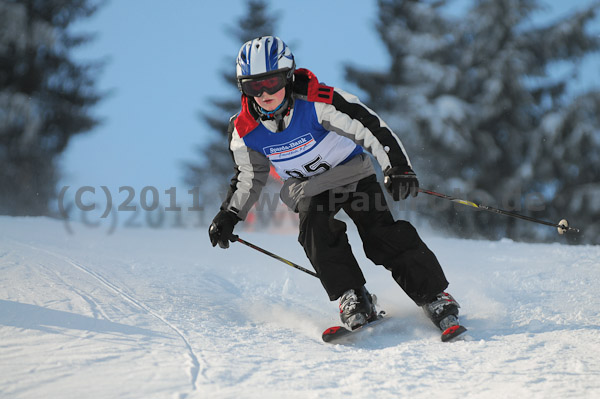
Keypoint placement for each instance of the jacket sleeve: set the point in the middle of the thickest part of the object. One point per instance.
(347, 116)
(252, 172)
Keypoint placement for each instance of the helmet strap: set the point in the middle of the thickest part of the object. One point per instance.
(270, 114)
(279, 113)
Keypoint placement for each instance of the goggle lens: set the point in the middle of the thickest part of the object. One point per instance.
(270, 84)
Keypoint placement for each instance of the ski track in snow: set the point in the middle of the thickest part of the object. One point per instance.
(158, 314)
(196, 369)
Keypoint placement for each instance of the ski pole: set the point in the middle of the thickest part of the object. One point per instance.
(235, 238)
(562, 226)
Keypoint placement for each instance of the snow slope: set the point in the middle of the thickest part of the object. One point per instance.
(150, 313)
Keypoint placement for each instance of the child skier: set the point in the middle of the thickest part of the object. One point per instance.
(316, 136)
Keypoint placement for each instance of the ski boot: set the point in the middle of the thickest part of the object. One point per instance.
(357, 308)
(443, 311)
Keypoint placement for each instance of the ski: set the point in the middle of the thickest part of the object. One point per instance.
(453, 333)
(339, 333)
(336, 333)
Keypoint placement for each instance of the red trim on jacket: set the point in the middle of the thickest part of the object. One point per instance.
(245, 123)
(316, 92)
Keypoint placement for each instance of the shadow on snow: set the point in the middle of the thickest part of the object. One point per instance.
(21, 315)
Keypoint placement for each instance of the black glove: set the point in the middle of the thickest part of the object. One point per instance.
(221, 228)
(401, 181)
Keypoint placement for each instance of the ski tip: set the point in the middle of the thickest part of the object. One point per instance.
(452, 333)
(338, 332)
(330, 333)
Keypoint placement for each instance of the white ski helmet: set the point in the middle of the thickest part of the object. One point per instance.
(262, 57)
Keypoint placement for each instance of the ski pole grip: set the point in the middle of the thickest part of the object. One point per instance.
(233, 237)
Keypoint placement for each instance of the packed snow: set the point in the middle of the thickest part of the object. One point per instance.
(144, 313)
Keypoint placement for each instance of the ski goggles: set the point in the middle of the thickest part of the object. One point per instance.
(270, 84)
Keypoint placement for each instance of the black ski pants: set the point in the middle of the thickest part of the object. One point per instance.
(393, 244)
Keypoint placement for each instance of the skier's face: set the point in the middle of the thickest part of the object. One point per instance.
(270, 102)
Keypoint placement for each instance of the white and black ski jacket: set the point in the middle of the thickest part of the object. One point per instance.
(326, 128)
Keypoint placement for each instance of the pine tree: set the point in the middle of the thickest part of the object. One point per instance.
(568, 155)
(516, 93)
(45, 98)
(467, 96)
(212, 171)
